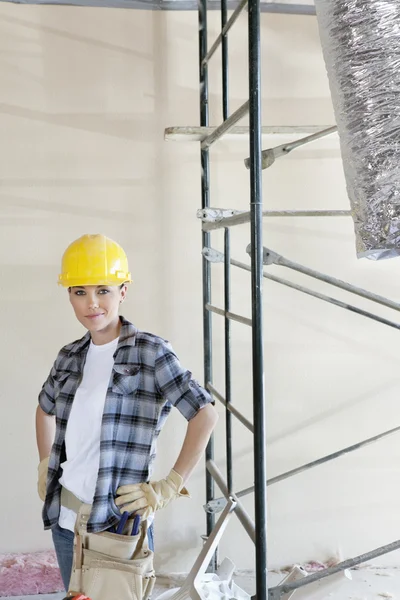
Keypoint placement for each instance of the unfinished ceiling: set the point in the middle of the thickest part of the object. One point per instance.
(300, 7)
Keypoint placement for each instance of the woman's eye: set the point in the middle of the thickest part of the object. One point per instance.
(79, 293)
(103, 291)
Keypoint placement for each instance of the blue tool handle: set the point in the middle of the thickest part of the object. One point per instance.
(136, 523)
(122, 523)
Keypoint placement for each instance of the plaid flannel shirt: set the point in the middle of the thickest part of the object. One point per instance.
(147, 379)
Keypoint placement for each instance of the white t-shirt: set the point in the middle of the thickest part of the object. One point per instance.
(82, 437)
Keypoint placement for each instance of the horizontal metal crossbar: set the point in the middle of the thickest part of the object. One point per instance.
(270, 155)
(240, 512)
(218, 504)
(289, 9)
(225, 126)
(233, 18)
(231, 408)
(322, 460)
(239, 132)
(271, 257)
(275, 593)
(220, 218)
(218, 257)
(230, 315)
(323, 297)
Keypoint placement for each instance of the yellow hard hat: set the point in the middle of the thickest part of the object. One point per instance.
(94, 260)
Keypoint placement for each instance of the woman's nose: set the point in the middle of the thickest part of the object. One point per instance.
(93, 303)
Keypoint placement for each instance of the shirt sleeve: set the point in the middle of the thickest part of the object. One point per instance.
(177, 385)
(46, 395)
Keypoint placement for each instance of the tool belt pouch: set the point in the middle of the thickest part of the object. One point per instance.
(108, 566)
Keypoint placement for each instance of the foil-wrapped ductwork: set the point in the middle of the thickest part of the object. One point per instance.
(361, 46)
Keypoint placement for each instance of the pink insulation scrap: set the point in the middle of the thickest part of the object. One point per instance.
(29, 574)
(314, 565)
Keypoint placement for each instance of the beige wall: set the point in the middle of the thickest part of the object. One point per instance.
(85, 95)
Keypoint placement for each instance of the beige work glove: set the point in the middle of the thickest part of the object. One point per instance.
(146, 498)
(42, 478)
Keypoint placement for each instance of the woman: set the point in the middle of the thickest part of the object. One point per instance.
(103, 406)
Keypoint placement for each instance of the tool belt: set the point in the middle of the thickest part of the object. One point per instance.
(107, 565)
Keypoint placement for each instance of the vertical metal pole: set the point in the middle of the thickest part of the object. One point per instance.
(228, 415)
(205, 202)
(227, 266)
(224, 49)
(260, 475)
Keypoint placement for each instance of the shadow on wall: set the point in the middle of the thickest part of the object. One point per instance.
(59, 208)
(374, 393)
(317, 419)
(74, 37)
(121, 126)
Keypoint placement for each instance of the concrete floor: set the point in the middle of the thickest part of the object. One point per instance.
(365, 584)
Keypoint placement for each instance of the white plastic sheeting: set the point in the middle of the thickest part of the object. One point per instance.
(211, 587)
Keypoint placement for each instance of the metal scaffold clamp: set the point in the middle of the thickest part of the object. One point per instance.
(215, 506)
(269, 256)
(214, 215)
(212, 255)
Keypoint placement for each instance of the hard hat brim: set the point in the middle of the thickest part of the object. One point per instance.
(80, 282)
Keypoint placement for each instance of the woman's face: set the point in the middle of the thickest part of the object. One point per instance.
(97, 306)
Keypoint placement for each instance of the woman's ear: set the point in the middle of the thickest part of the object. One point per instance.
(123, 293)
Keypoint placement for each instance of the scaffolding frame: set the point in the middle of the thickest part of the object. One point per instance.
(217, 218)
(260, 257)
(252, 107)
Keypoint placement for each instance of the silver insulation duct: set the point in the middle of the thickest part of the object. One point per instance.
(361, 45)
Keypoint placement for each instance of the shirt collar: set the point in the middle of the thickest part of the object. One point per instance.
(127, 337)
